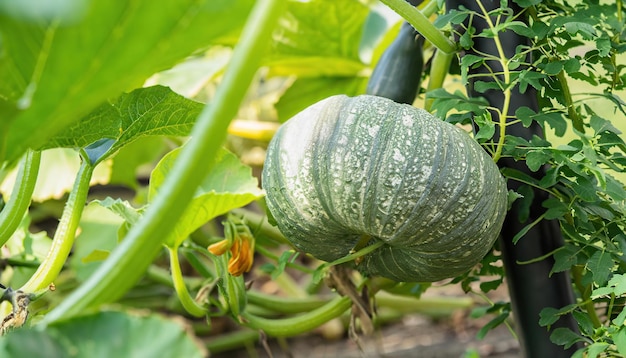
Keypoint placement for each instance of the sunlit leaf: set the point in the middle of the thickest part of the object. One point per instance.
(62, 165)
(319, 38)
(230, 185)
(143, 112)
(55, 72)
(104, 334)
(306, 91)
(97, 237)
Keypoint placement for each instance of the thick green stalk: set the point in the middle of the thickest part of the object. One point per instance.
(66, 232)
(294, 326)
(230, 341)
(571, 111)
(190, 305)
(13, 212)
(285, 305)
(438, 71)
(132, 257)
(421, 24)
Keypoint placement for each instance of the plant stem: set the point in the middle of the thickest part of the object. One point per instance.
(132, 257)
(506, 75)
(362, 252)
(421, 24)
(294, 326)
(438, 71)
(226, 342)
(585, 293)
(285, 305)
(13, 212)
(571, 111)
(66, 232)
(190, 305)
(435, 306)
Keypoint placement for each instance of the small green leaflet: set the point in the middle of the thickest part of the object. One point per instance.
(616, 286)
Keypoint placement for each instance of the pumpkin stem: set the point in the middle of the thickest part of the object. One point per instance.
(365, 238)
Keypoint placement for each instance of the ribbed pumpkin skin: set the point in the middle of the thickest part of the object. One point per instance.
(348, 167)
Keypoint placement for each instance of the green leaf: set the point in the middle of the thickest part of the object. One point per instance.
(443, 102)
(122, 208)
(600, 125)
(228, 186)
(565, 337)
(553, 68)
(143, 112)
(454, 17)
(319, 38)
(55, 73)
(525, 115)
(548, 316)
(596, 348)
(585, 189)
(104, 334)
(128, 160)
(584, 322)
(469, 61)
(616, 286)
(492, 324)
(98, 236)
(306, 91)
(536, 158)
(600, 264)
(556, 208)
(619, 339)
(486, 127)
(530, 78)
(620, 320)
(564, 259)
(587, 31)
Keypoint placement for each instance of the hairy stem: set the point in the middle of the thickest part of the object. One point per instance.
(13, 212)
(438, 71)
(506, 75)
(585, 293)
(294, 326)
(190, 305)
(571, 111)
(66, 232)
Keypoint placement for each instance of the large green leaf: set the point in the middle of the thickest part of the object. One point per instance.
(52, 72)
(228, 186)
(98, 236)
(306, 91)
(319, 38)
(104, 334)
(145, 111)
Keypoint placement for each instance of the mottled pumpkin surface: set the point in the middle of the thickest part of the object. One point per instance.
(347, 168)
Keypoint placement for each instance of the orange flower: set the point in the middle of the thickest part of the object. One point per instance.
(242, 258)
(220, 247)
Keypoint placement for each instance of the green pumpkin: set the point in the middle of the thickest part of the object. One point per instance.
(346, 168)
